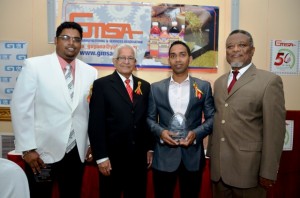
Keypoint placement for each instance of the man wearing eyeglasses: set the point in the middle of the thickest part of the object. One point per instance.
(120, 139)
(50, 115)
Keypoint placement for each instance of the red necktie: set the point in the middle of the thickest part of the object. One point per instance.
(235, 73)
(129, 89)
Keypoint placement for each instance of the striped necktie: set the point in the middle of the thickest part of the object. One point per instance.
(69, 80)
(70, 84)
(129, 89)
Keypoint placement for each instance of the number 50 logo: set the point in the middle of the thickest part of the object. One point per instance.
(286, 58)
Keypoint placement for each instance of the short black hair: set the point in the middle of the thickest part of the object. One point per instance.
(181, 43)
(68, 25)
(245, 33)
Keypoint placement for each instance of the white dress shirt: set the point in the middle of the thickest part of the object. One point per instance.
(179, 95)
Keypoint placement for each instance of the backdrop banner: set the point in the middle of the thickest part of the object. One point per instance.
(12, 55)
(108, 24)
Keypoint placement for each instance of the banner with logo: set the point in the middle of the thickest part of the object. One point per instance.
(289, 135)
(285, 57)
(107, 25)
(12, 55)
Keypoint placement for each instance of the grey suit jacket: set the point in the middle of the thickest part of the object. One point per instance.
(249, 128)
(168, 158)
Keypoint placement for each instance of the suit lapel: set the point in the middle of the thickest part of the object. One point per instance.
(247, 77)
(119, 87)
(224, 81)
(165, 89)
(77, 84)
(192, 94)
(61, 78)
(136, 98)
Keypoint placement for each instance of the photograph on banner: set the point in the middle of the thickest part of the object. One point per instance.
(107, 25)
(195, 25)
(285, 57)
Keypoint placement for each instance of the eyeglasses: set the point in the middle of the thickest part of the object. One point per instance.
(123, 59)
(68, 38)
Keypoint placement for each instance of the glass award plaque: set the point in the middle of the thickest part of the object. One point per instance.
(177, 125)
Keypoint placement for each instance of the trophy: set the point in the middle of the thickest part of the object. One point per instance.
(177, 125)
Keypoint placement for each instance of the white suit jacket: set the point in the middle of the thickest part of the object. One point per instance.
(42, 110)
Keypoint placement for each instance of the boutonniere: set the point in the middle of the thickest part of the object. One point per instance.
(198, 92)
(88, 98)
(138, 90)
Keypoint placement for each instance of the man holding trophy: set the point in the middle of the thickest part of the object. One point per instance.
(176, 107)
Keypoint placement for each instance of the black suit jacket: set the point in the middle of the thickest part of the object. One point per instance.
(117, 127)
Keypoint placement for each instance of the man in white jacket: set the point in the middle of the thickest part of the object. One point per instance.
(49, 113)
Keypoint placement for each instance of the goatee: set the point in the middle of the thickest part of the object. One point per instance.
(236, 65)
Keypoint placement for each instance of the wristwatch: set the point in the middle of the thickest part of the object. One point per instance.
(26, 152)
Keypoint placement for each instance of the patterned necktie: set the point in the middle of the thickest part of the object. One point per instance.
(129, 89)
(235, 73)
(69, 81)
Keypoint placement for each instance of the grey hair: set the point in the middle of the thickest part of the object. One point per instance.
(245, 33)
(119, 47)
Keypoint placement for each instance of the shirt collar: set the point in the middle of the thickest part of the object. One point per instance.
(242, 70)
(123, 78)
(64, 63)
(186, 80)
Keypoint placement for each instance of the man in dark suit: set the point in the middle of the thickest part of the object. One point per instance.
(188, 96)
(118, 132)
(249, 125)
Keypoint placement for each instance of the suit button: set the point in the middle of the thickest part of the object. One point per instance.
(133, 142)
(222, 139)
(226, 104)
(223, 122)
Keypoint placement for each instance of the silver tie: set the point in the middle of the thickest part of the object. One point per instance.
(69, 80)
(70, 84)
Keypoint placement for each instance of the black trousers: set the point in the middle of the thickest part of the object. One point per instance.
(67, 173)
(165, 182)
(128, 178)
